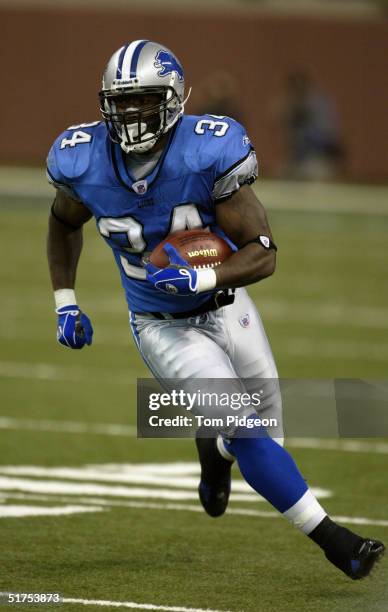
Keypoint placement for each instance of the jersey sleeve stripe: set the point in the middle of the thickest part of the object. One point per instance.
(235, 165)
(243, 172)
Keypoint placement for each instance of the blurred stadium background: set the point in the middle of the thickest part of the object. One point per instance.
(325, 310)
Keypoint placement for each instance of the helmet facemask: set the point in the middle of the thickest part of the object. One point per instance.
(135, 122)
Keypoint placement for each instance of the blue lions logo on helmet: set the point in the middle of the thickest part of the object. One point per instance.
(168, 64)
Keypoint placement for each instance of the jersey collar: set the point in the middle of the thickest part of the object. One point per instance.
(121, 170)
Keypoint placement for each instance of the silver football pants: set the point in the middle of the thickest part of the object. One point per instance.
(228, 343)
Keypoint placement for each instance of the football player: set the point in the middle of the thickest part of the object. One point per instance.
(143, 172)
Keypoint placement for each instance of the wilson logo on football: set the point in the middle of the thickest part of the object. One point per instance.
(203, 253)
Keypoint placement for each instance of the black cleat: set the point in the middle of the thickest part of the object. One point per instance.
(215, 483)
(352, 554)
(361, 561)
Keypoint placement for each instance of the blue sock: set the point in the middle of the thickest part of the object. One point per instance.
(268, 468)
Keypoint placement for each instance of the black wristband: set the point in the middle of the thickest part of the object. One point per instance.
(264, 241)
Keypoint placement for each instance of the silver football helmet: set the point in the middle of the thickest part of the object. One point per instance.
(142, 94)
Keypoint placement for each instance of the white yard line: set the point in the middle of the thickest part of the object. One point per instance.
(313, 310)
(46, 371)
(134, 606)
(347, 446)
(21, 511)
(325, 313)
(73, 427)
(39, 371)
(134, 474)
(87, 488)
(360, 520)
(118, 429)
(140, 474)
(344, 349)
(126, 604)
(350, 520)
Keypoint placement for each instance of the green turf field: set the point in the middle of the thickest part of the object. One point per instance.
(136, 535)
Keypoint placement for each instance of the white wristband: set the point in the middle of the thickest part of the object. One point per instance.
(64, 297)
(206, 280)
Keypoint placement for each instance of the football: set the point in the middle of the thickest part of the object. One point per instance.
(201, 249)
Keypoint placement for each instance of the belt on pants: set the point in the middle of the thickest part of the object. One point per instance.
(219, 299)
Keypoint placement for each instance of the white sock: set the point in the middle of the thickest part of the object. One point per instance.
(306, 514)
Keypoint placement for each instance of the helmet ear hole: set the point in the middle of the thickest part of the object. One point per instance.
(172, 105)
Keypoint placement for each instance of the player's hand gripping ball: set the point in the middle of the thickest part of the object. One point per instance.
(74, 328)
(179, 263)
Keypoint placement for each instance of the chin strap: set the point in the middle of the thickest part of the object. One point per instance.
(185, 100)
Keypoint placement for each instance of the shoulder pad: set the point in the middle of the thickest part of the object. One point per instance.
(70, 155)
(216, 142)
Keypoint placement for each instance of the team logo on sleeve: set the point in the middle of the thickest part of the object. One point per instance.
(265, 241)
(244, 320)
(167, 64)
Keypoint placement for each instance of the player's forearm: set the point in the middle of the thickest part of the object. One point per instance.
(249, 265)
(64, 247)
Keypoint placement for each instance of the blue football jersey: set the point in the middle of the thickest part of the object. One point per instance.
(206, 159)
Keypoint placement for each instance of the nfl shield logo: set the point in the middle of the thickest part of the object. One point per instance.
(244, 320)
(140, 187)
(264, 241)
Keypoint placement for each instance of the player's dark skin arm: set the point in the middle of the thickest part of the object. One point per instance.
(64, 240)
(243, 218)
